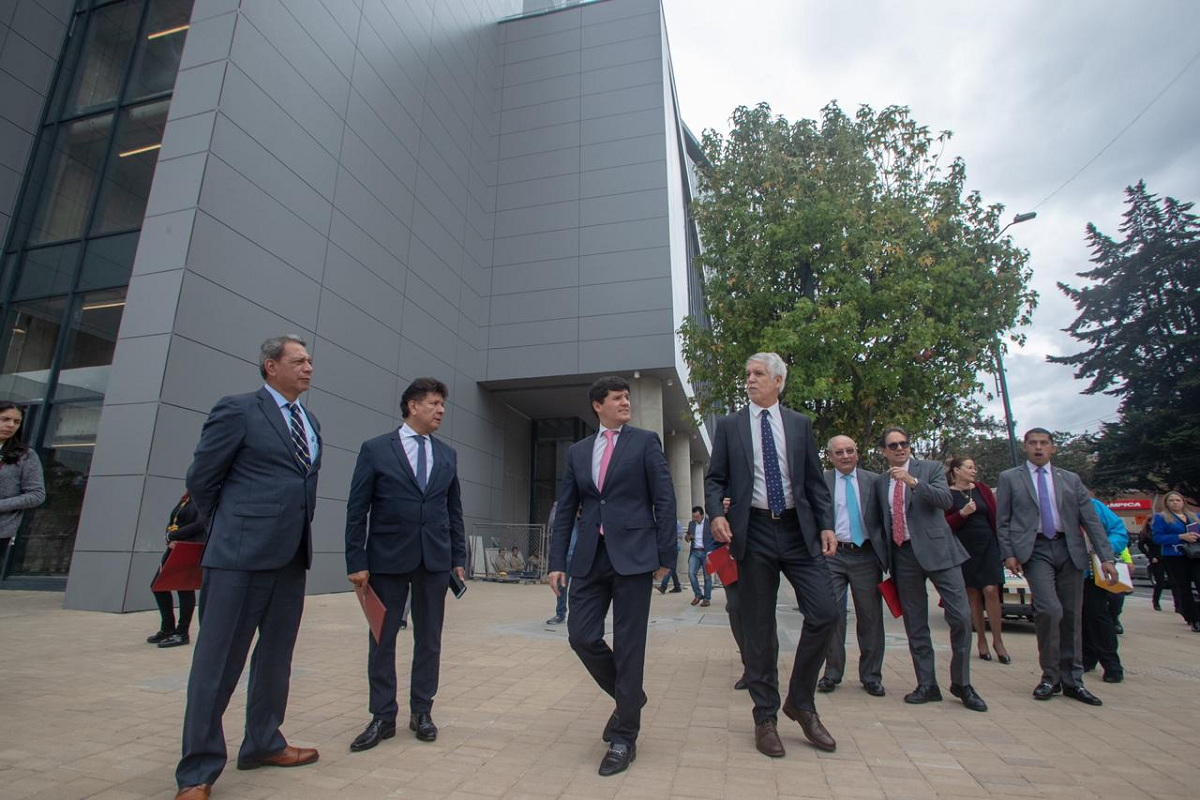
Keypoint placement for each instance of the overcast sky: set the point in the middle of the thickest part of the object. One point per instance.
(1031, 90)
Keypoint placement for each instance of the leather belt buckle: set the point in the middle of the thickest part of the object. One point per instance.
(775, 516)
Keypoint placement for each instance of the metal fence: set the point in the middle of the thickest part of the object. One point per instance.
(508, 552)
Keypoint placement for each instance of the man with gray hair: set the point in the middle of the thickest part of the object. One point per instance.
(254, 474)
(780, 519)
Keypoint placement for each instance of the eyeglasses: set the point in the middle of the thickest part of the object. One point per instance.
(849, 451)
(897, 445)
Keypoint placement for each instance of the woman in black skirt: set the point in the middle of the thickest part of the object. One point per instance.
(186, 525)
(973, 519)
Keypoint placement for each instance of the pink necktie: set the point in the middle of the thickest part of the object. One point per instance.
(608, 450)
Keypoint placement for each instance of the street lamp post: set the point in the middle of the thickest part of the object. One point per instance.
(1000, 377)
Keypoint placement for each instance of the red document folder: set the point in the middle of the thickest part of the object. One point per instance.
(720, 561)
(891, 596)
(181, 572)
(372, 608)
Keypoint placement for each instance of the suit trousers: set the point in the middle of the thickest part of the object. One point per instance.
(427, 590)
(910, 579)
(859, 571)
(1099, 633)
(733, 607)
(618, 669)
(236, 604)
(774, 547)
(1057, 587)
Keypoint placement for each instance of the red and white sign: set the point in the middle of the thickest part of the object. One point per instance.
(1130, 505)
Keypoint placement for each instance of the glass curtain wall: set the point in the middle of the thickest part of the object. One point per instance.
(70, 251)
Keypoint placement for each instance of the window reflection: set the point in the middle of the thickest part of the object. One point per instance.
(108, 261)
(31, 334)
(70, 179)
(91, 340)
(106, 50)
(47, 271)
(127, 178)
(161, 45)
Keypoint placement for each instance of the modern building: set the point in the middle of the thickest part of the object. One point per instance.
(487, 191)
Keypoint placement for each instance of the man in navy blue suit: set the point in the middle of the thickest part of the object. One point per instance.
(407, 481)
(254, 474)
(620, 480)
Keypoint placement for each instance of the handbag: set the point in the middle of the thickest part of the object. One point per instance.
(1191, 549)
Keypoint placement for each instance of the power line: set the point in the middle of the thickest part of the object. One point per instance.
(1121, 132)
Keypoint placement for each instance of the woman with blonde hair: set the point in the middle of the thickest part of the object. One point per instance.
(1173, 527)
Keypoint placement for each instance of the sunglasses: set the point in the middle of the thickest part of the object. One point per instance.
(896, 445)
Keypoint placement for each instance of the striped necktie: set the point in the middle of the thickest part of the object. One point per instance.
(299, 438)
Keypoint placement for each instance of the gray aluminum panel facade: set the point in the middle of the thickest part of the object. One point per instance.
(417, 189)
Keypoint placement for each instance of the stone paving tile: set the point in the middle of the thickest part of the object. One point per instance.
(89, 711)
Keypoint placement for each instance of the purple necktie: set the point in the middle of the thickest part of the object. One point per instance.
(1046, 503)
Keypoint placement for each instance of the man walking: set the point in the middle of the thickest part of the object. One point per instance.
(861, 558)
(254, 474)
(1040, 510)
(780, 520)
(619, 478)
(913, 496)
(700, 544)
(407, 481)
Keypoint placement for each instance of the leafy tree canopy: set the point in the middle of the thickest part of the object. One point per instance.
(845, 245)
(1140, 320)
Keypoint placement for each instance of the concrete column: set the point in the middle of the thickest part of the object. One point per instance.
(698, 470)
(646, 398)
(679, 449)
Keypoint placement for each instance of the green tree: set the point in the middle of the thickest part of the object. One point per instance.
(848, 248)
(1140, 318)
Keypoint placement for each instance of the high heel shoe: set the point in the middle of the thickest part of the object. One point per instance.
(985, 656)
(1004, 659)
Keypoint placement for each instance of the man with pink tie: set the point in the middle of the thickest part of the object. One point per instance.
(618, 479)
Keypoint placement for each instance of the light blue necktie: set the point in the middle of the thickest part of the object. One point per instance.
(1046, 504)
(855, 513)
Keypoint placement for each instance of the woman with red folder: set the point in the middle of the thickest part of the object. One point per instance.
(186, 525)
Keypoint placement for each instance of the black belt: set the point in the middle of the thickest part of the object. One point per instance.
(853, 546)
(1057, 535)
(788, 513)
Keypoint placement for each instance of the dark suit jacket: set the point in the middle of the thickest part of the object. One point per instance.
(866, 486)
(933, 543)
(709, 543)
(245, 476)
(407, 527)
(1018, 516)
(731, 474)
(637, 507)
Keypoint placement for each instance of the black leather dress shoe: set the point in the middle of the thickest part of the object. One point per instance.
(1082, 695)
(617, 759)
(826, 685)
(741, 683)
(422, 725)
(1114, 676)
(874, 688)
(157, 637)
(970, 698)
(376, 732)
(924, 694)
(1043, 691)
(175, 640)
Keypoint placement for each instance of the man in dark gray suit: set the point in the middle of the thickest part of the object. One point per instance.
(780, 520)
(1040, 510)
(913, 497)
(254, 474)
(407, 481)
(861, 558)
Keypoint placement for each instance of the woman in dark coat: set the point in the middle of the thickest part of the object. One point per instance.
(972, 517)
(186, 525)
(21, 483)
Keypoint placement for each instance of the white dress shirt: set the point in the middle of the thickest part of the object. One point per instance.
(841, 520)
(760, 477)
(408, 438)
(891, 493)
(314, 446)
(598, 451)
(698, 536)
(1033, 468)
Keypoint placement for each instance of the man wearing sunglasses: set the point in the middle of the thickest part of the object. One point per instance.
(913, 496)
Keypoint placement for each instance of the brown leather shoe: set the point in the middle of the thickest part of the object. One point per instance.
(695, 600)
(766, 739)
(287, 757)
(198, 792)
(810, 723)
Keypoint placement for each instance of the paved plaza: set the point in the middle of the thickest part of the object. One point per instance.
(88, 710)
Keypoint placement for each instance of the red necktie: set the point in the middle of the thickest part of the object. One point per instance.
(898, 513)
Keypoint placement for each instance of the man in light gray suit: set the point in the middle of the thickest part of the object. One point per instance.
(913, 498)
(860, 560)
(1039, 513)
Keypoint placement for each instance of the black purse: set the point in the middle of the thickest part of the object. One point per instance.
(1191, 549)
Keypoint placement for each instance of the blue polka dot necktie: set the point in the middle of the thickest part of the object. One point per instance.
(771, 467)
